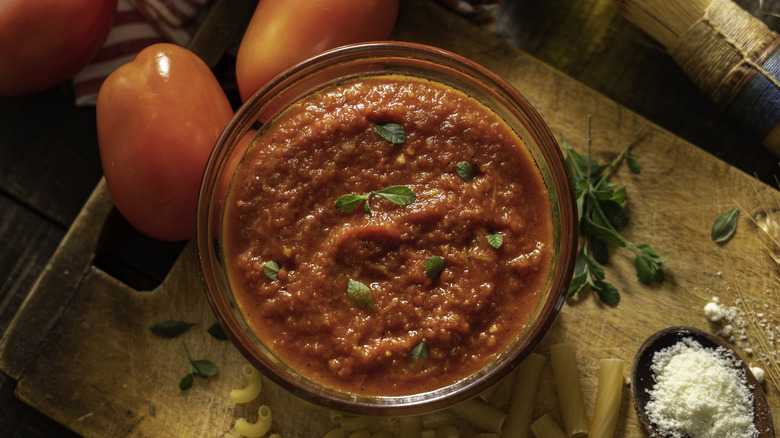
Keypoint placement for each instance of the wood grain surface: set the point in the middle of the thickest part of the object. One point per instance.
(82, 353)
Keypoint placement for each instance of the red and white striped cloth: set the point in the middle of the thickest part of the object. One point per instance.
(140, 23)
(137, 24)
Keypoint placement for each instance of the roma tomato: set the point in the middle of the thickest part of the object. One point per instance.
(45, 42)
(284, 32)
(158, 118)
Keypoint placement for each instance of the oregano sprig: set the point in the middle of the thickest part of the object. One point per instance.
(400, 195)
(601, 214)
(201, 368)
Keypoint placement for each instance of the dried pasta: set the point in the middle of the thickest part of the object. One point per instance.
(409, 427)
(545, 427)
(608, 396)
(362, 433)
(567, 386)
(335, 433)
(254, 384)
(383, 434)
(521, 406)
(447, 431)
(258, 428)
(350, 424)
(480, 414)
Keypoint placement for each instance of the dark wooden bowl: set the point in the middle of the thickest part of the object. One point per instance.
(642, 376)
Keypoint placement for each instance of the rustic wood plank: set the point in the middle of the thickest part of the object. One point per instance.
(49, 159)
(113, 368)
(29, 242)
(58, 283)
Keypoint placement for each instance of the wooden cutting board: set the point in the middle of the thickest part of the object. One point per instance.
(82, 353)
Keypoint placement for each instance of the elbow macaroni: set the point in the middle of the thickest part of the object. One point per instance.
(258, 428)
(254, 384)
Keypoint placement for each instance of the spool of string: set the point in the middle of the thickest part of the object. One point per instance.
(730, 55)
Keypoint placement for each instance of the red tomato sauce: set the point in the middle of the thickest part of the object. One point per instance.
(281, 207)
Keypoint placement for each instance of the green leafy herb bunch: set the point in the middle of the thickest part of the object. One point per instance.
(601, 214)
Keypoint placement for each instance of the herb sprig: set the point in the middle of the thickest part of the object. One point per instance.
(201, 368)
(601, 214)
(400, 195)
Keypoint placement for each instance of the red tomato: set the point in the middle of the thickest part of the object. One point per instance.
(45, 42)
(158, 118)
(284, 32)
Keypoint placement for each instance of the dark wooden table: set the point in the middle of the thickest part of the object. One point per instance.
(49, 160)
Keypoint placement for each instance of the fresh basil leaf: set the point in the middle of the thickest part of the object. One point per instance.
(725, 226)
(495, 240)
(170, 329)
(392, 132)
(186, 382)
(216, 332)
(347, 203)
(271, 269)
(400, 195)
(419, 351)
(466, 171)
(360, 294)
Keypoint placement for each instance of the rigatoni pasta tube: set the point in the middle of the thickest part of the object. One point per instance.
(521, 406)
(409, 427)
(608, 397)
(546, 427)
(567, 387)
(480, 414)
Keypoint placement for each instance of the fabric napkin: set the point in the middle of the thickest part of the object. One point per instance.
(140, 23)
(137, 24)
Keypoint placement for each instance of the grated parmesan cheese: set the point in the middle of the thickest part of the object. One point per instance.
(700, 392)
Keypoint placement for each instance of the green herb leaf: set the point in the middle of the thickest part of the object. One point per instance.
(725, 226)
(434, 265)
(360, 294)
(633, 165)
(216, 332)
(271, 269)
(170, 329)
(392, 132)
(347, 203)
(400, 195)
(419, 351)
(495, 240)
(601, 214)
(186, 382)
(152, 410)
(466, 171)
(204, 368)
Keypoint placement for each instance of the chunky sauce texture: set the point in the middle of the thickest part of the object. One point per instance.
(281, 208)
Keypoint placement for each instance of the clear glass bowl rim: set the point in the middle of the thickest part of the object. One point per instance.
(548, 149)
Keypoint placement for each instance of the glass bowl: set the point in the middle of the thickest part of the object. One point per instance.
(357, 61)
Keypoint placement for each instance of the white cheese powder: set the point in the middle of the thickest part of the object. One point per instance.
(700, 392)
